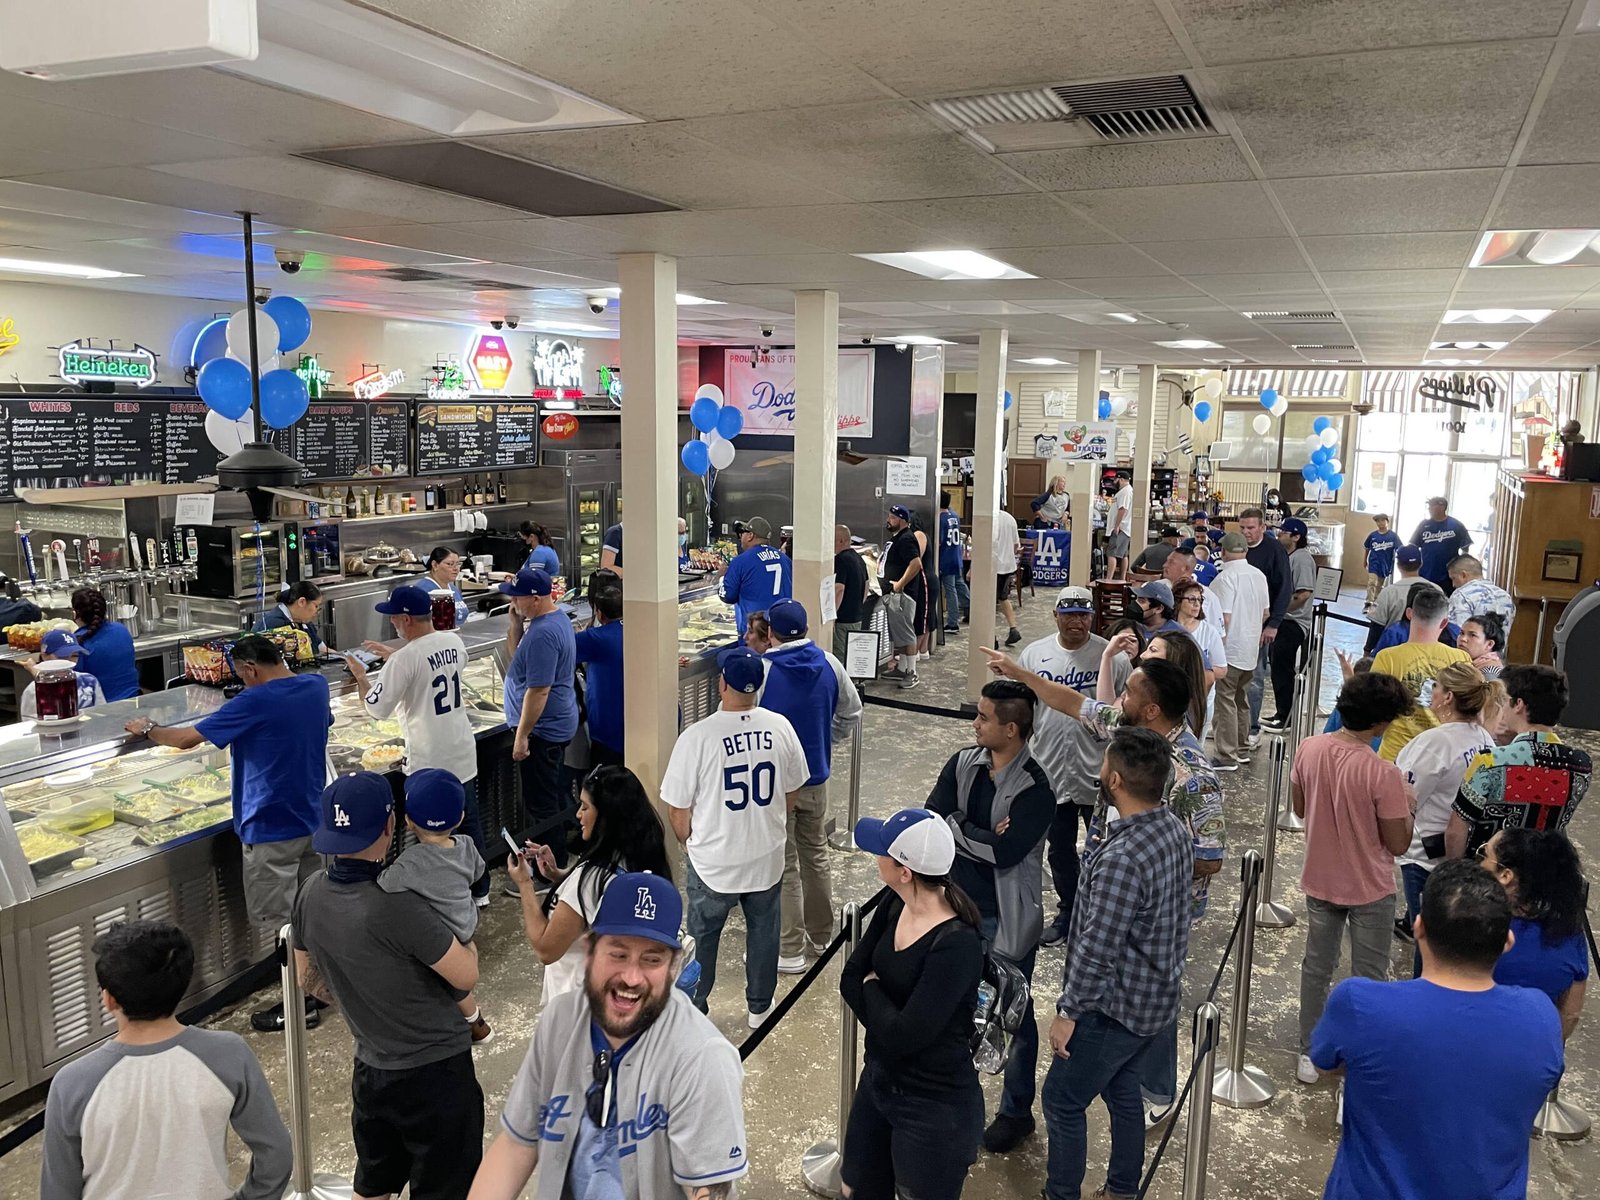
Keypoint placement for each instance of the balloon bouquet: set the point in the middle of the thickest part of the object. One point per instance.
(718, 424)
(1323, 465)
(282, 324)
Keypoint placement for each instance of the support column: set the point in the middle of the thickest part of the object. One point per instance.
(1143, 453)
(988, 465)
(648, 312)
(816, 445)
(1083, 479)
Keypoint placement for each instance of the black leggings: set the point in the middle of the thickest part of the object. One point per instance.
(1286, 659)
(903, 1145)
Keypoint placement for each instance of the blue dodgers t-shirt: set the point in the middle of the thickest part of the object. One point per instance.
(1440, 542)
(545, 559)
(277, 734)
(949, 543)
(546, 657)
(1441, 1087)
(1380, 552)
(1531, 963)
(108, 656)
(601, 647)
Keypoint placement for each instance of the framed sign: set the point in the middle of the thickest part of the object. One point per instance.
(762, 385)
(1327, 584)
(1088, 441)
(1562, 566)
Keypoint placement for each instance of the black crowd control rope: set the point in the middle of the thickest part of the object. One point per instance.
(926, 710)
(1328, 612)
(748, 1046)
(251, 981)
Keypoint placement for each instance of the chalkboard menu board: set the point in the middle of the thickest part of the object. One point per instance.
(350, 439)
(63, 443)
(475, 437)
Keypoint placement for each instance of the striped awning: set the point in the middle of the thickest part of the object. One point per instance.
(1289, 384)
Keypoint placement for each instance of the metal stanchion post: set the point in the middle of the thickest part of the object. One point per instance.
(845, 838)
(1287, 822)
(1560, 1121)
(1238, 1085)
(1207, 1029)
(1269, 913)
(820, 1165)
(303, 1183)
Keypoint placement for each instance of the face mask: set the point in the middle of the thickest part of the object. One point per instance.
(683, 541)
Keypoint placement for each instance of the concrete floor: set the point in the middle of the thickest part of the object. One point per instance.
(1282, 1151)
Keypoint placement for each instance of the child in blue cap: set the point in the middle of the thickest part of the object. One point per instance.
(440, 866)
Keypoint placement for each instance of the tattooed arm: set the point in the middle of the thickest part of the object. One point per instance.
(311, 980)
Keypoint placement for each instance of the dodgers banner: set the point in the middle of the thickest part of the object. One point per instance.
(764, 389)
(1052, 550)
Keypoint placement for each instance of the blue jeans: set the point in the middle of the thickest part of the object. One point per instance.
(906, 1143)
(1158, 1078)
(957, 598)
(1016, 1093)
(763, 918)
(1106, 1060)
(1258, 687)
(1413, 877)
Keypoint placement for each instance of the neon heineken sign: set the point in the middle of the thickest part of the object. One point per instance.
(80, 364)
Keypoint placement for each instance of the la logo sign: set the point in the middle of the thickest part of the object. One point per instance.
(490, 359)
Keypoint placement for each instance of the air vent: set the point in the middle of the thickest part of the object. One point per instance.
(1283, 318)
(1163, 106)
(1322, 345)
(1002, 108)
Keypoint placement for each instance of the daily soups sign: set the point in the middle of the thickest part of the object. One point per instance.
(762, 384)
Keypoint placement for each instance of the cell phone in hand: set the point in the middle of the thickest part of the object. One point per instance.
(512, 842)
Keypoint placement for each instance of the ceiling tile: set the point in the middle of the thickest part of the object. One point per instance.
(1137, 287)
(998, 222)
(1198, 210)
(1400, 251)
(1137, 164)
(1227, 256)
(1083, 262)
(784, 270)
(533, 237)
(1567, 130)
(1549, 198)
(1241, 287)
(1390, 281)
(1385, 111)
(888, 150)
(42, 138)
(1414, 202)
(692, 233)
(852, 228)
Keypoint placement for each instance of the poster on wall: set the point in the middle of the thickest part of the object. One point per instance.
(1088, 441)
(763, 388)
(905, 476)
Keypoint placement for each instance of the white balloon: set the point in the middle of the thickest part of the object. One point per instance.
(721, 453)
(1261, 423)
(1335, 466)
(1213, 387)
(1119, 405)
(1278, 409)
(239, 335)
(1330, 437)
(228, 436)
(1313, 441)
(705, 390)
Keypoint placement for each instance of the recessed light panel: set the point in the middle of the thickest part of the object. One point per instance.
(28, 266)
(1040, 362)
(1191, 344)
(950, 264)
(1496, 316)
(1467, 345)
(1538, 248)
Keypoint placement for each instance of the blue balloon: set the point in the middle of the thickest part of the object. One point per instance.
(284, 398)
(293, 319)
(730, 421)
(210, 342)
(1334, 482)
(1321, 455)
(1269, 397)
(1103, 409)
(696, 456)
(224, 385)
(1309, 472)
(1202, 411)
(1320, 424)
(1008, 401)
(703, 415)
(1325, 470)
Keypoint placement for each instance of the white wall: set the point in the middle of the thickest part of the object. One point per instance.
(45, 315)
(1027, 411)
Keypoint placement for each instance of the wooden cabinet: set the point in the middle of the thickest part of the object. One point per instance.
(1025, 480)
(1535, 516)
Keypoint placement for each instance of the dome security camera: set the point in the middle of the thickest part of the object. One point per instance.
(766, 331)
(289, 260)
(512, 321)
(497, 324)
(597, 304)
(867, 340)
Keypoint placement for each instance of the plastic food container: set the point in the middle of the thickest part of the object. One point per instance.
(55, 691)
(79, 814)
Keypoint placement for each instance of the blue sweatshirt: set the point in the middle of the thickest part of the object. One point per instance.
(755, 580)
(801, 686)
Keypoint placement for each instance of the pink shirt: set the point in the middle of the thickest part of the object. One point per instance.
(1348, 788)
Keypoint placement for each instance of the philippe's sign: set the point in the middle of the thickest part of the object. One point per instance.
(1476, 392)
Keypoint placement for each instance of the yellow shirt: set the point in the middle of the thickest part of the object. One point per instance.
(1414, 665)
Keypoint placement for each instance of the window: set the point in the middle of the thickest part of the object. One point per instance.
(1377, 481)
(1252, 451)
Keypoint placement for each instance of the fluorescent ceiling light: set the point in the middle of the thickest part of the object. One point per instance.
(564, 327)
(1538, 248)
(1129, 318)
(683, 298)
(1467, 345)
(1452, 362)
(912, 339)
(27, 266)
(1496, 316)
(949, 264)
(369, 61)
(1191, 344)
(1040, 362)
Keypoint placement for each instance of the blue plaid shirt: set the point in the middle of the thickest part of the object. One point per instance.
(1130, 924)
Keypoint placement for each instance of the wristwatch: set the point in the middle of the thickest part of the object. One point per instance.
(148, 726)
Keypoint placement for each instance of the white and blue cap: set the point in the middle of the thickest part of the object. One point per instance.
(639, 904)
(435, 799)
(406, 600)
(355, 810)
(914, 837)
(743, 670)
(530, 581)
(787, 618)
(58, 643)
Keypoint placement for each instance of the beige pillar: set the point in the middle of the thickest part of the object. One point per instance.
(1083, 479)
(1143, 452)
(816, 444)
(988, 465)
(648, 313)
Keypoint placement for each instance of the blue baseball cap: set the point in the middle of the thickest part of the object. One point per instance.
(1409, 555)
(406, 600)
(355, 809)
(530, 581)
(1293, 525)
(1197, 515)
(901, 511)
(743, 669)
(435, 799)
(787, 618)
(1158, 590)
(58, 643)
(639, 904)
(913, 837)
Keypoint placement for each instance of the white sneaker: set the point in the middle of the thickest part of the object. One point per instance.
(1154, 1118)
(1305, 1071)
(791, 964)
(1253, 742)
(758, 1019)
(481, 901)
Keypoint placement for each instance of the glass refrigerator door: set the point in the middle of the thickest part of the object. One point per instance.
(589, 525)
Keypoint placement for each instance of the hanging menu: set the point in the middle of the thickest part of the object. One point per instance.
(350, 440)
(389, 438)
(87, 443)
(183, 444)
(472, 437)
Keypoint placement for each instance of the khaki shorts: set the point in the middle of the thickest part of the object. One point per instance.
(272, 875)
(1117, 546)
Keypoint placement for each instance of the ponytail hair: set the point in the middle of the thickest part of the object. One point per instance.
(958, 900)
(1474, 695)
(89, 606)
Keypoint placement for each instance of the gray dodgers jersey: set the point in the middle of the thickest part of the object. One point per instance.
(678, 1094)
(1069, 753)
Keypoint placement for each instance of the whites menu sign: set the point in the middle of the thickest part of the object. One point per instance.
(764, 387)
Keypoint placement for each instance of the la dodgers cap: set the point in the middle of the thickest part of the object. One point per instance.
(639, 904)
(1074, 600)
(530, 581)
(1295, 526)
(1409, 555)
(913, 837)
(787, 618)
(743, 670)
(405, 600)
(59, 642)
(435, 799)
(1158, 590)
(355, 808)
(901, 511)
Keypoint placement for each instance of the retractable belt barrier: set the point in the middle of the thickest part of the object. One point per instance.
(927, 710)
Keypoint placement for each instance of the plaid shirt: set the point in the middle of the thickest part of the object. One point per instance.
(1130, 924)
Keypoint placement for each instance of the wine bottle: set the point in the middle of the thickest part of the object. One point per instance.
(500, 497)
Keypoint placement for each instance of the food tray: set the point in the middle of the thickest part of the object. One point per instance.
(91, 810)
(189, 823)
(148, 806)
(198, 787)
(54, 849)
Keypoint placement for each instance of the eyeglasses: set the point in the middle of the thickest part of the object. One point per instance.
(1190, 599)
(596, 1102)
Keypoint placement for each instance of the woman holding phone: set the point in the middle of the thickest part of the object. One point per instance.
(621, 833)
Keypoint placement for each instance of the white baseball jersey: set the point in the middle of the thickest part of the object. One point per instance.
(420, 685)
(734, 770)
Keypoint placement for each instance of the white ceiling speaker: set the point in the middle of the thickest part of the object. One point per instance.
(84, 39)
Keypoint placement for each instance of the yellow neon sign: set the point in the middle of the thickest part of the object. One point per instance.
(8, 335)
